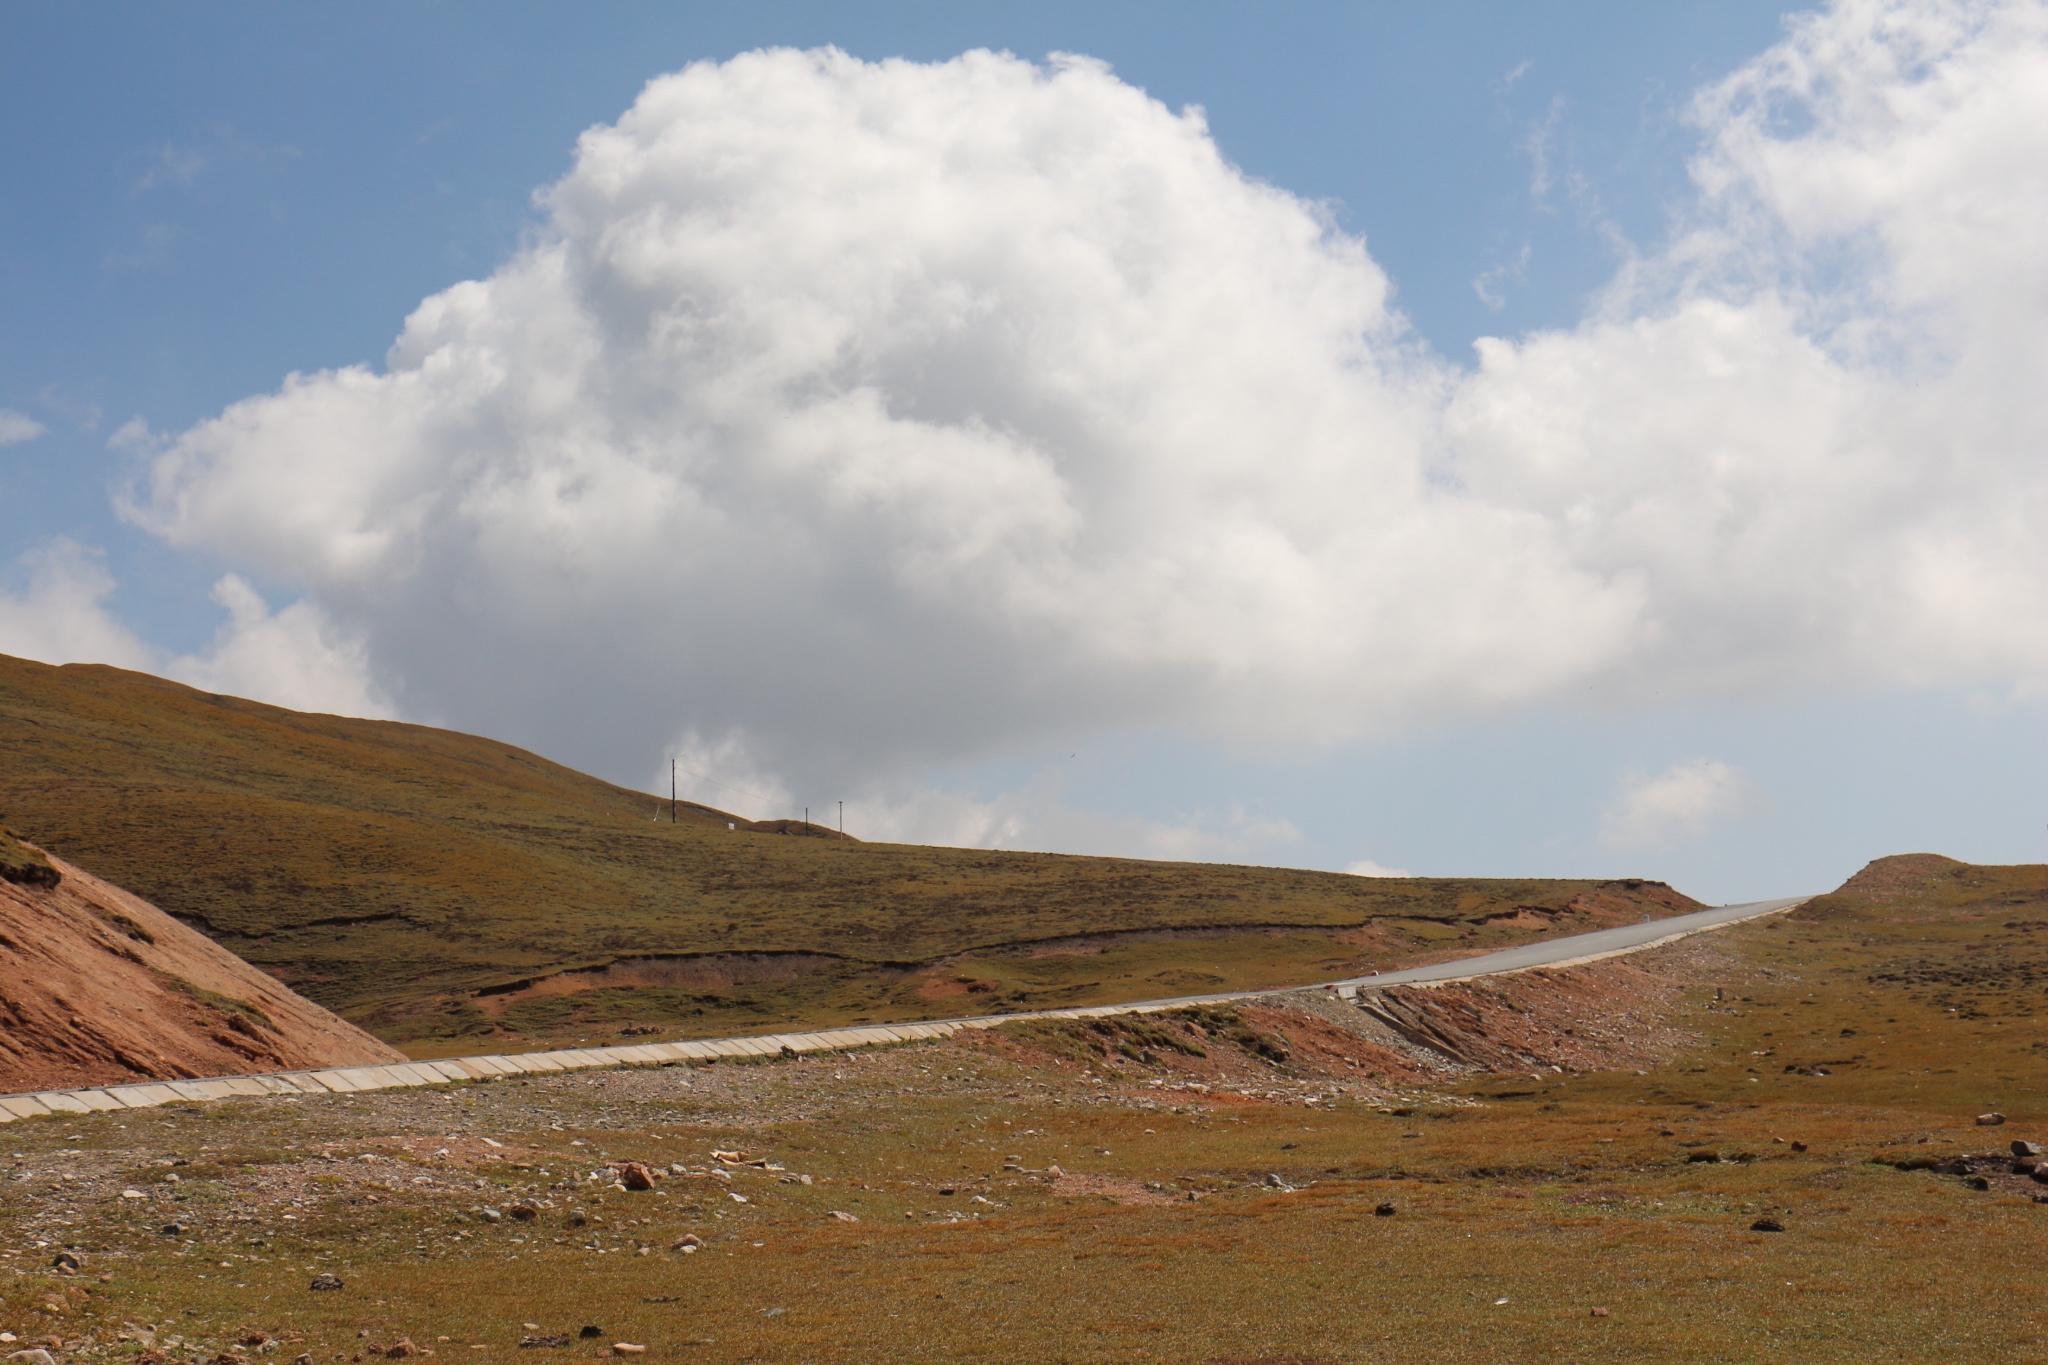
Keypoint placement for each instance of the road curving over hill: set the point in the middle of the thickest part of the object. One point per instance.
(1566, 950)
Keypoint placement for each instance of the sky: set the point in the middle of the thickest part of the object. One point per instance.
(1467, 439)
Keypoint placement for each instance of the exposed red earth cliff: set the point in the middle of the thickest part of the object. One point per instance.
(98, 986)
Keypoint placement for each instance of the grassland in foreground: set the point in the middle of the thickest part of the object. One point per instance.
(1822, 1070)
(455, 894)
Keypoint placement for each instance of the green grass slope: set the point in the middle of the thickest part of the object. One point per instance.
(392, 871)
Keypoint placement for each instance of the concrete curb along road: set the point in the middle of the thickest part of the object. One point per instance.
(1572, 950)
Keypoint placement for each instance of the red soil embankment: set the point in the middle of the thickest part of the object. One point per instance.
(98, 987)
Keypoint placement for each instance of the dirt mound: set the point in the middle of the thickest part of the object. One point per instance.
(1902, 874)
(98, 986)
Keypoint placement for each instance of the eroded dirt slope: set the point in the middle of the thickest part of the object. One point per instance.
(98, 986)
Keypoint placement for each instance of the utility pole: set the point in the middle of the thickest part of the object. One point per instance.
(842, 817)
(807, 819)
(671, 791)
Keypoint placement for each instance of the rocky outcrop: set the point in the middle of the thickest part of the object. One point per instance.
(98, 986)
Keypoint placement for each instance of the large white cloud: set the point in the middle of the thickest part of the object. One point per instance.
(851, 417)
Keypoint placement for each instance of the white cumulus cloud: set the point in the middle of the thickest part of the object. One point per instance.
(887, 414)
(1366, 867)
(1675, 806)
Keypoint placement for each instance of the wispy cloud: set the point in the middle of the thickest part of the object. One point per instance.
(1490, 285)
(16, 427)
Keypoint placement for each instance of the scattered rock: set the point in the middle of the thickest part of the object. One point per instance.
(1274, 1182)
(1990, 1120)
(2040, 1173)
(948, 1189)
(399, 1349)
(1384, 1211)
(843, 1216)
(67, 1263)
(635, 1176)
(577, 1218)
(174, 1229)
(689, 1241)
(325, 1281)
(490, 1215)
(628, 1348)
(1701, 1155)
(591, 1333)
(528, 1343)
(35, 1355)
(525, 1213)
(1978, 1182)
(1797, 1145)
(2022, 1147)
(1767, 1225)
(2025, 1165)
(1599, 1312)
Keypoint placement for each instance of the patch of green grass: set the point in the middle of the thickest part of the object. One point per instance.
(24, 865)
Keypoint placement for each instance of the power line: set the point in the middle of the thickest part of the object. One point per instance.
(769, 801)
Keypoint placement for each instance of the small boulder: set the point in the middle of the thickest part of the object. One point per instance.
(490, 1215)
(325, 1281)
(2022, 1147)
(400, 1349)
(529, 1343)
(1978, 1182)
(1798, 1146)
(1384, 1211)
(34, 1355)
(1767, 1225)
(1702, 1155)
(68, 1263)
(2040, 1173)
(173, 1229)
(525, 1213)
(689, 1241)
(591, 1333)
(843, 1216)
(628, 1348)
(635, 1176)
(1991, 1120)
(1599, 1312)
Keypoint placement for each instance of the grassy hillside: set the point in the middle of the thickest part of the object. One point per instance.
(1780, 1162)
(393, 871)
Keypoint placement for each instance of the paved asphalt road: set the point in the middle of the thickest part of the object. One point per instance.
(346, 1080)
(1577, 947)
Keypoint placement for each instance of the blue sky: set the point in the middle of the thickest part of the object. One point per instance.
(202, 200)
